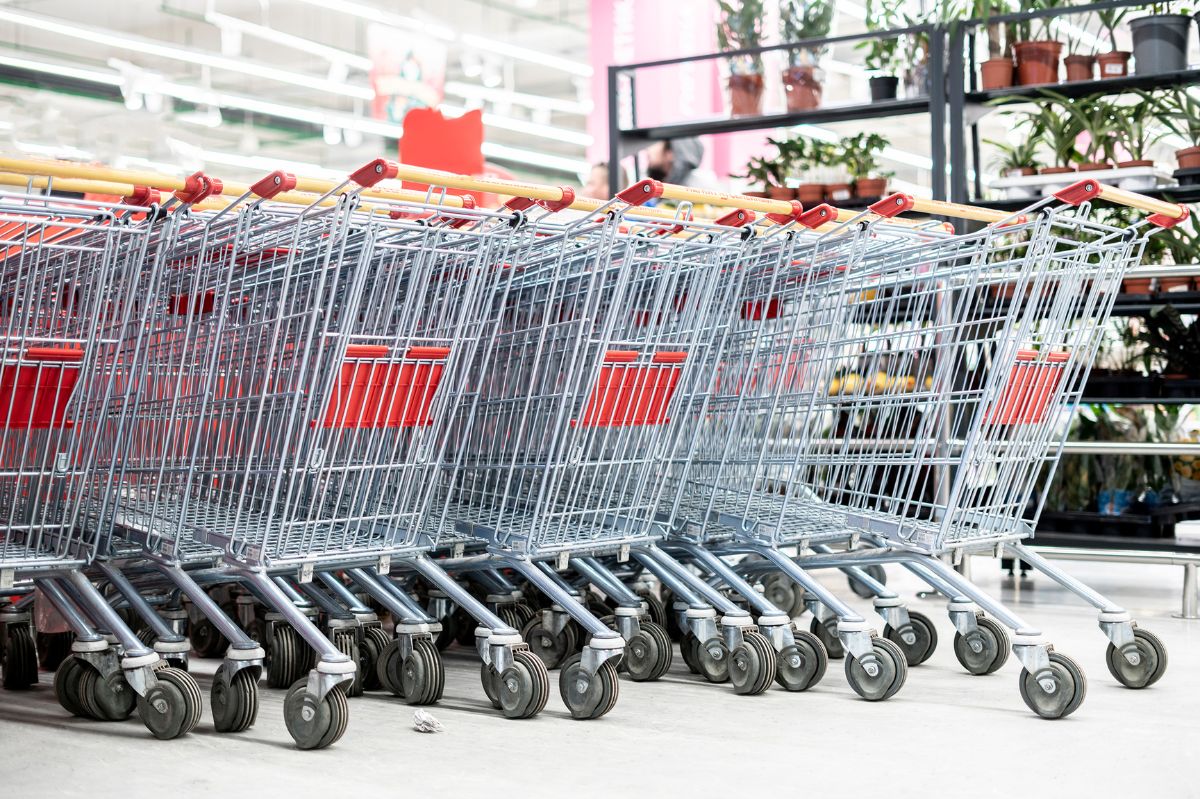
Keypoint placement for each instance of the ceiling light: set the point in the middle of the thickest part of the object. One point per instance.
(245, 28)
(525, 54)
(473, 91)
(372, 14)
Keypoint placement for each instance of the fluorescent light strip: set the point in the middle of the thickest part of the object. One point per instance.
(554, 163)
(154, 48)
(525, 54)
(331, 54)
(372, 14)
(521, 126)
(471, 91)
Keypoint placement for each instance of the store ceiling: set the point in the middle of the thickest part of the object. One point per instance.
(238, 84)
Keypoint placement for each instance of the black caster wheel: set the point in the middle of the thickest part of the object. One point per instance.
(713, 659)
(524, 615)
(53, 649)
(207, 641)
(752, 665)
(374, 642)
(287, 660)
(420, 678)
(984, 649)
(1152, 661)
(656, 609)
(1069, 689)
(672, 626)
(648, 653)
(488, 677)
(687, 649)
(874, 571)
(890, 670)
(551, 648)
(106, 698)
(19, 666)
(347, 643)
(600, 694)
(509, 615)
(171, 708)
(234, 702)
(828, 635)
(450, 632)
(801, 665)
(522, 689)
(784, 594)
(315, 724)
(66, 686)
(917, 640)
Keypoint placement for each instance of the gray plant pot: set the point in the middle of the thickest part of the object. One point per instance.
(1160, 43)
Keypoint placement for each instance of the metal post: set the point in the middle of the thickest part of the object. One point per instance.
(1191, 599)
(614, 134)
(400, 605)
(104, 612)
(937, 108)
(161, 629)
(956, 100)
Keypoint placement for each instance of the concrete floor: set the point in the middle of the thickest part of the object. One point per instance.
(946, 734)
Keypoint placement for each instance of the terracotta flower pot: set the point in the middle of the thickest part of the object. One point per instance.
(1174, 283)
(1114, 64)
(802, 89)
(781, 193)
(1094, 166)
(1055, 170)
(1137, 162)
(997, 73)
(745, 95)
(871, 188)
(1024, 171)
(838, 192)
(810, 193)
(1188, 158)
(1037, 62)
(1080, 67)
(1136, 285)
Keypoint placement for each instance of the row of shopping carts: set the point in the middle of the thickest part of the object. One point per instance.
(322, 430)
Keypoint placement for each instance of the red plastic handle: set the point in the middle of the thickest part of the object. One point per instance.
(274, 183)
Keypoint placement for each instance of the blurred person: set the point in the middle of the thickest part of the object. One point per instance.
(678, 161)
(597, 182)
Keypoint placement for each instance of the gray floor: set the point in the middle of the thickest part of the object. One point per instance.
(945, 734)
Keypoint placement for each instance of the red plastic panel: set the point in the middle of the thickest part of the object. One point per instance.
(34, 393)
(758, 310)
(629, 394)
(1030, 388)
(371, 394)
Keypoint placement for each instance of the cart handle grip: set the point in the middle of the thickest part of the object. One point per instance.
(900, 202)
(1162, 213)
(645, 190)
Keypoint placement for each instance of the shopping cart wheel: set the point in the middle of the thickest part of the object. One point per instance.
(552, 648)
(375, 641)
(488, 676)
(19, 667)
(207, 641)
(687, 648)
(53, 649)
(106, 698)
(66, 685)
(234, 702)
(713, 659)
(421, 677)
(647, 653)
(315, 724)
(917, 640)
(875, 571)
(524, 614)
(1152, 660)
(752, 665)
(984, 649)
(1070, 688)
(347, 643)
(883, 678)
(172, 707)
(655, 609)
(523, 687)
(784, 594)
(801, 665)
(828, 635)
(286, 659)
(672, 624)
(597, 698)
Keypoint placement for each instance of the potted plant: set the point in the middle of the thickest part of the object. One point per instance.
(1037, 59)
(1135, 131)
(1180, 112)
(997, 71)
(1172, 344)
(806, 157)
(1183, 244)
(765, 172)
(1160, 40)
(1114, 63)
(1080, 66)
(881, 55)
(1019, 159)
(1059, 131)
(800, 20)
(1094, 116)
(740, 28)
(860, 153)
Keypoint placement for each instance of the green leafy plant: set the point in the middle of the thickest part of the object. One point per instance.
(1095, 116)
(1180, 111)
(740, 28)
(764, 172)
(1110, 19)
(1058, 130)
(1015, 157)
(882, 54)
(999, 44)
(860, 154)
(804, 19)
(1171, 343)
(1041, 28)
(1136, 126)
(799, 154)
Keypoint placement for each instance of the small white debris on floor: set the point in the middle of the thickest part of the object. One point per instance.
(423, 721)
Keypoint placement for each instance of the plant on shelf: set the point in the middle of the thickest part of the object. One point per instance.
(1160, 40)
(1135, 130)
(1037, 58)
(800, 20)
(997, 71)
(1080, 65)
(766, 172)
(1059, 130)
(1114, 63)
(861, 153)
(740, 28)
(881, 55)
(805, 159)
(1172, 345)
(1179, 110)
(1094, 116)
(1017, 159)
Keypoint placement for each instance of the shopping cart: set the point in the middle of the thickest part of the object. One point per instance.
(976, 347)
(74, 275)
